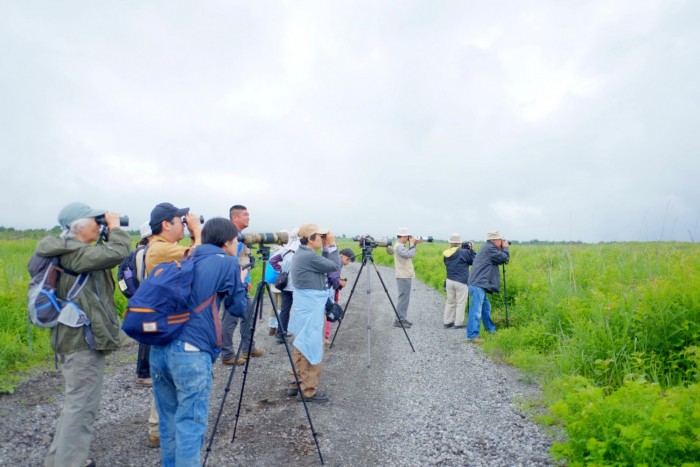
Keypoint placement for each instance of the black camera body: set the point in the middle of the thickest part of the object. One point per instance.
(123, 220)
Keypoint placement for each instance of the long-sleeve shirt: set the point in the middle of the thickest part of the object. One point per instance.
(309, 269)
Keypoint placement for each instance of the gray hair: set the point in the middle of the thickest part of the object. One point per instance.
(75, 227)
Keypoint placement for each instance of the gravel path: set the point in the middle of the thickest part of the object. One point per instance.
(444, 404)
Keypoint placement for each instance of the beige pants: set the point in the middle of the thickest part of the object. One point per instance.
(457, 294)
(153, 419)
(309, 375)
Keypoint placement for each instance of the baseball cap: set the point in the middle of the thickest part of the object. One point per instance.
(307, 230)
(165, 212)
(74, 211)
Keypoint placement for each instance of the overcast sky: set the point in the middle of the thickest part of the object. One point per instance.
(550, 120)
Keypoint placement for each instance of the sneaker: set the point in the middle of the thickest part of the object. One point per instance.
(446, 326)
(229, 361)
(89, 463)
(148, 382)
(279, 338)
(153, 441)
(292, 390)
(407, 323)
(318, 397)
(460, 326)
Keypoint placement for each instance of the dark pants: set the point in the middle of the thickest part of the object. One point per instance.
(287, 299)
(143, 366)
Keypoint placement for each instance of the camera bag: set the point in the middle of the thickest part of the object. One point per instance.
(334, 312)
(282, 280)
(161, 307)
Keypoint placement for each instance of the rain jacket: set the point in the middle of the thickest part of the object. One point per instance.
(485, 269)
(457, 261)
(97, 297)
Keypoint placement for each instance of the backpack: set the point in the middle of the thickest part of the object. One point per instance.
(160, 308)
(132, 271)
(44, 306)
(334, 312)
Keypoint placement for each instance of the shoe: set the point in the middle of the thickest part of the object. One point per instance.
(280, 339)
(407, 323)
(476, 340)
(241, 361)
(255, 353)
(460, 326)
(229, 361)
(89, 463)
(446, 326)
(318, 397)
(153, 441)
(148, 382)
(292, 390)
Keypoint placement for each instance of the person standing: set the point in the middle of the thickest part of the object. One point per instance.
(282, 262)
(182, 369)
(83, 364)
(404, 252)
(457, 260)
(239, 216)
(168, 224)
(336, 284)
(309, 270)
(143, 367)
(485, 279)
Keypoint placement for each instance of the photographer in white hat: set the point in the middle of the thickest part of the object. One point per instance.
(485, 279)
(404, 251)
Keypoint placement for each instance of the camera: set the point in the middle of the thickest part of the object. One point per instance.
(201, 220)
(123, 220)
(420, 239)
(280, 238)
(467, 245)
(367, 241)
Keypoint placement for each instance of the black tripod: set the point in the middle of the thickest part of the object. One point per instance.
(367, 258)
(255, 309)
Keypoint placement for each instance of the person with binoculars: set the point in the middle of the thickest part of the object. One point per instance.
(457, 260)
(82, 349)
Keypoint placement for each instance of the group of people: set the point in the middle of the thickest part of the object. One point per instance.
(181, 371)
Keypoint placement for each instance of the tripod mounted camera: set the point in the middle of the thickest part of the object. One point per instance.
(255, 310)
(368, 244)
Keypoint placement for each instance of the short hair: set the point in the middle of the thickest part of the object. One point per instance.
(236, 208)
(75, 227)
(218, 231)
(304, 240)
(157, 229)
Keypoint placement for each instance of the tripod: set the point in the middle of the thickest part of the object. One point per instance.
(255, 309)
(368, 258)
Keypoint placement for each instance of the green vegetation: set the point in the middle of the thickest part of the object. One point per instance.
(611, 332)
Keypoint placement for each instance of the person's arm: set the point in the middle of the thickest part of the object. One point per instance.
(236, 301)
(404, 252)
(102, 256)
(276, 260)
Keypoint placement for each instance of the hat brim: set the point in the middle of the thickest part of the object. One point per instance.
(321, 231)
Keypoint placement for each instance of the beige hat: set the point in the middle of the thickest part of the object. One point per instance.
(455, 238)
(403, 232)
(307, 230)
(496, 235)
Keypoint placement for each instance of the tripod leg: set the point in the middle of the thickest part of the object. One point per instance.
(392, 304)
(347, 304)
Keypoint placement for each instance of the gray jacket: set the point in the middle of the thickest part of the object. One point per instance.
(485, 268)
(309, 269)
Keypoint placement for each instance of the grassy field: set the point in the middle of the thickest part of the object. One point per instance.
(611, 332)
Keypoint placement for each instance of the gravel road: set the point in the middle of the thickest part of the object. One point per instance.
(444, 404)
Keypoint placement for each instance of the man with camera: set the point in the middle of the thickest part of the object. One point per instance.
(307, 322)
(457, 260)
(485, 279)
(168, 224)
(240, 217)
(404, 252)
(82, 349)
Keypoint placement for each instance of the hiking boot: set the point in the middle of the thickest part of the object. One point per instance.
(318, 397)
(147, 382)
(229, 361)
(153, 441)
(255, 353)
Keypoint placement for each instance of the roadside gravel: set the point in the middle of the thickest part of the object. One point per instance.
(444, 404)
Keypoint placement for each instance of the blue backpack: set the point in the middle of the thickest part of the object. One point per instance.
(159, 310)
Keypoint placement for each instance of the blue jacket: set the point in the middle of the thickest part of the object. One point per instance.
(485, 269)
(215, 272)
(457, 261)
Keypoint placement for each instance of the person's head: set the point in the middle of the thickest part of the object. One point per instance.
(78, 222)
(347, 256)
(312, 235)
(146, 234)
(238, 214)
(222, 233)
(166, 220)
(402, 235)
(495, 237)
(455, 239)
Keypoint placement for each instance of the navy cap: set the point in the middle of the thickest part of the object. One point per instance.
(165, 212)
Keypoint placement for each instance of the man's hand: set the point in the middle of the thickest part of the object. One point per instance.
(412, 241)
(194, 226)
(329, 239)
(112, 219)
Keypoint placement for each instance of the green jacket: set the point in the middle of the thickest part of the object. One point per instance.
(97, 297)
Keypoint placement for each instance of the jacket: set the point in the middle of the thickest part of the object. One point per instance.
(309, 269)
(485, 269)
(403, 260)
(215, 272)
(97, 297)
(457, 261)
